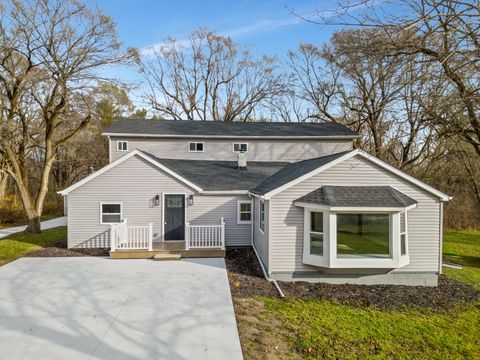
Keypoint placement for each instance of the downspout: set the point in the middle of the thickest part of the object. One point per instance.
(440, 257)
(270, 280)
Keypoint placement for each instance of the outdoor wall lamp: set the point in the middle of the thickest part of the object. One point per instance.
(156, 200)
(190, 200)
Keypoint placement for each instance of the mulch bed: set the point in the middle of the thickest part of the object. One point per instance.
(59, 249)
(246, 279)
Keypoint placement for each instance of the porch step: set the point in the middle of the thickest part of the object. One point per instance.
(167, 257)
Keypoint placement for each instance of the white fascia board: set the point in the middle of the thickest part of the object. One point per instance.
(312, 206)
(371, 158)
(121, 160)
(311, 173)
(338, 137)
(256, 195)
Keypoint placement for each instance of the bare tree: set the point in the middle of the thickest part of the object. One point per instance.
(50, 52)
(209, 79)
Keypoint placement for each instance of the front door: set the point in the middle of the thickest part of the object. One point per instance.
(174, 209)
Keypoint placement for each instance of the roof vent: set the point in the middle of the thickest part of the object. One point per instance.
(242, 161)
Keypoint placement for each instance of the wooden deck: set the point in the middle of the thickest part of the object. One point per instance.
(173, 247)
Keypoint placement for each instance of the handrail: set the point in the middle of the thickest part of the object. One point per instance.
(205, 236)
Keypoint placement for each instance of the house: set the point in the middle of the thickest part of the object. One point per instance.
(312, 207)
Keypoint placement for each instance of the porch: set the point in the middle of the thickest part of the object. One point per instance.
(137, 242)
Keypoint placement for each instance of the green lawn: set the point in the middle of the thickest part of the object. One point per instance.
(24, 221)
(17, 245)
(316, 329)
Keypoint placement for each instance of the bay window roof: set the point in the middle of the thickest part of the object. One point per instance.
(357, 196)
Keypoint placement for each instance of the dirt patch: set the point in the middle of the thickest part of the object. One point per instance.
(59, 249)
(261, 335)
(245, 274)
(246, 280)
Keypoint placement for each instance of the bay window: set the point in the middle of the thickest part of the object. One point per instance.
(316, 233)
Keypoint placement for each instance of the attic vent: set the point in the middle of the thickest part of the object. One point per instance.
(242, 160)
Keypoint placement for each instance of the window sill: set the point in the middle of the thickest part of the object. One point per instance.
(355, 263)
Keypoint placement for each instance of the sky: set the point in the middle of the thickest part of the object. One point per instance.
(265, 26)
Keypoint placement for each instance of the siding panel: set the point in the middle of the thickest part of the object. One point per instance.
(286, 224)
(135, 182)
(218, 149)
(260, 239)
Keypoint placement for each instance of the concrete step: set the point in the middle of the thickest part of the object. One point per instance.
(167, 257)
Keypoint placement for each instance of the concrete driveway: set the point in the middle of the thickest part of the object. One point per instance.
(98, 308)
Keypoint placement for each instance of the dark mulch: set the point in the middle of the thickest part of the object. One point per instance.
(59, 249)
(246, 279)
(245, 274)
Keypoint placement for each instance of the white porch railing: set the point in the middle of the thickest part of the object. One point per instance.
(124, 237)
(205, 236)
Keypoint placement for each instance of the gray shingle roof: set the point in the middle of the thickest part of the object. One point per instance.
(293, 171)
(227, 129)
(357, 196)
(221, 175)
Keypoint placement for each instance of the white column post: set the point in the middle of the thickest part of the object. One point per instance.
(150, 236)
(187, 236)
(222, 230)
(113, 235)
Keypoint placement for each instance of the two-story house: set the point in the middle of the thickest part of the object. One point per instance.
(312, 207)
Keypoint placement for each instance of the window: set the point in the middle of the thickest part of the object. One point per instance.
(110, 213)
(244, 212)
(122, 145)
(316, 233)
(240, 147)
(195, 146)
(261, 223)
(403, 233)
(363, 235)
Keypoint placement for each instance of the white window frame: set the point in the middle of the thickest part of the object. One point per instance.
(238, 143)
(330, 259)
(110, 203)
(196, 143)
(120, 144)
(261, 216)
(239, 211)
(405, 232)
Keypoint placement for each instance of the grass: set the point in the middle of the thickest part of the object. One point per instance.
(318, 329)
(463, 247)
(17, 245)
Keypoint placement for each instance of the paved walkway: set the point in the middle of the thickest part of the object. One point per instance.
(60, 221)
(99, 308)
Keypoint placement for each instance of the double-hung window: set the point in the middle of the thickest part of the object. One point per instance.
(244, 212)
(403, 233)
(195, 146)
(110, 213)
(122, 145)
(261, 222)
(240, 147)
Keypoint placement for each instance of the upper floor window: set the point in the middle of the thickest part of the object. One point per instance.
(195, 146)
(244, 212)
(122, 145)
(240, 147)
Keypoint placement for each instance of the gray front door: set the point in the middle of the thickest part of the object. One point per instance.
(174, 209)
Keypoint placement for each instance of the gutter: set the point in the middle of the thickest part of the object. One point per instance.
(278, 137)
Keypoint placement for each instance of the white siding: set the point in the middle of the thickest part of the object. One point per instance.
(207, 210)
(134, 183)
(218, 149)
(260, 239)
(286, 224)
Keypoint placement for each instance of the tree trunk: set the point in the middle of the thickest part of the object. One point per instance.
(34, 225)
(3, 185)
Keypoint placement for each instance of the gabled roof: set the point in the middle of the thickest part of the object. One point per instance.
(295, 173)
(223, 129)
(357, 196)
(221, 175)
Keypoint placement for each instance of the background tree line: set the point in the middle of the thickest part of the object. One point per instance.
(407, 83)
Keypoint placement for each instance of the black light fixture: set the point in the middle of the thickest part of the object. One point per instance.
(156, 200)
(190, 200)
